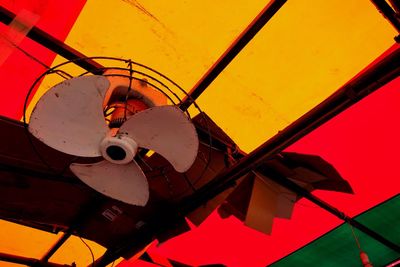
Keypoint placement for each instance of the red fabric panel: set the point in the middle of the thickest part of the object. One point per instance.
(362, 143)
(56, 18)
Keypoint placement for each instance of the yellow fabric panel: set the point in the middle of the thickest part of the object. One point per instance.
(24, 241)
(74, 250)
(178, 38)
(181, 39)
(302, 56)
(8, 264)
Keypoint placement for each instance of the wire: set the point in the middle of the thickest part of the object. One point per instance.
(144, 162)
(169, 184)
(32, 57)
(129, 87)
(355, 237)
(91, 252)
(189, 182)
(35, 150)
(209, 149)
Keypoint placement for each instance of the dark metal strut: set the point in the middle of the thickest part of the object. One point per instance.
(234, 49)
(85, 213)
(381, 73)
(389, 13)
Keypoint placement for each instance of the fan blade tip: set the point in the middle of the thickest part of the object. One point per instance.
(138, 200)
(141, 202)
(128, 183)
(183, 164)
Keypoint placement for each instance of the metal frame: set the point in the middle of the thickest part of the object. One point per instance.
(389, 13)
(362, 86)
(371, 80)
(233, 50)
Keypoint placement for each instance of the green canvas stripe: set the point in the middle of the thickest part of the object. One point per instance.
(338, 247)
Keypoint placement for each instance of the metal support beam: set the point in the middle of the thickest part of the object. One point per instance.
(358, 88)
(386, 10)
(54, 44)
(85, 213)
(361, 86)
(396, 5)
(29, 261)
(233, 50)
(56, 246)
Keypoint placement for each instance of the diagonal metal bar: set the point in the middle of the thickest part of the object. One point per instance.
(396, 5)
(282, 180)
(386, 10)
(363, 85)
(53, 249)
(381, 73)
(85, 213)
(233, 50)
(54, 44)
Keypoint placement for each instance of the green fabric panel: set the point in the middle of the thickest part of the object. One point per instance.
(338, 247)
(384, 219)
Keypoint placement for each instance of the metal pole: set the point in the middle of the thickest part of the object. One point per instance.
(282, 180)
(396, 5)
(372, 79)
(386, 10)
(361, 86)
(84, 214)
(56, 246)
(233, 50)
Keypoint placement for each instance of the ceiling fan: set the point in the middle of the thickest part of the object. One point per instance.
(71, 118)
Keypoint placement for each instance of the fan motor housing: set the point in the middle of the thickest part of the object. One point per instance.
(118, 149)
(125, 110)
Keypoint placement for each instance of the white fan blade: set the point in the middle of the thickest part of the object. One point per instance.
(167, 131)
(126, 183)
(69, 117)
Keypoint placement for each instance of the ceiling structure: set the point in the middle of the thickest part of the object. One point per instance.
(304, 54)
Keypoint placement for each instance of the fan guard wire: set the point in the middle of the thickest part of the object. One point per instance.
(161, 87)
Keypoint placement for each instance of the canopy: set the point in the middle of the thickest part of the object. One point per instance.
(302, 56)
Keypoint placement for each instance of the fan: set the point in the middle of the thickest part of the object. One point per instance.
(69, 117)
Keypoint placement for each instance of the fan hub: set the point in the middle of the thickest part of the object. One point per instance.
(116, 152)
(118, 149)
